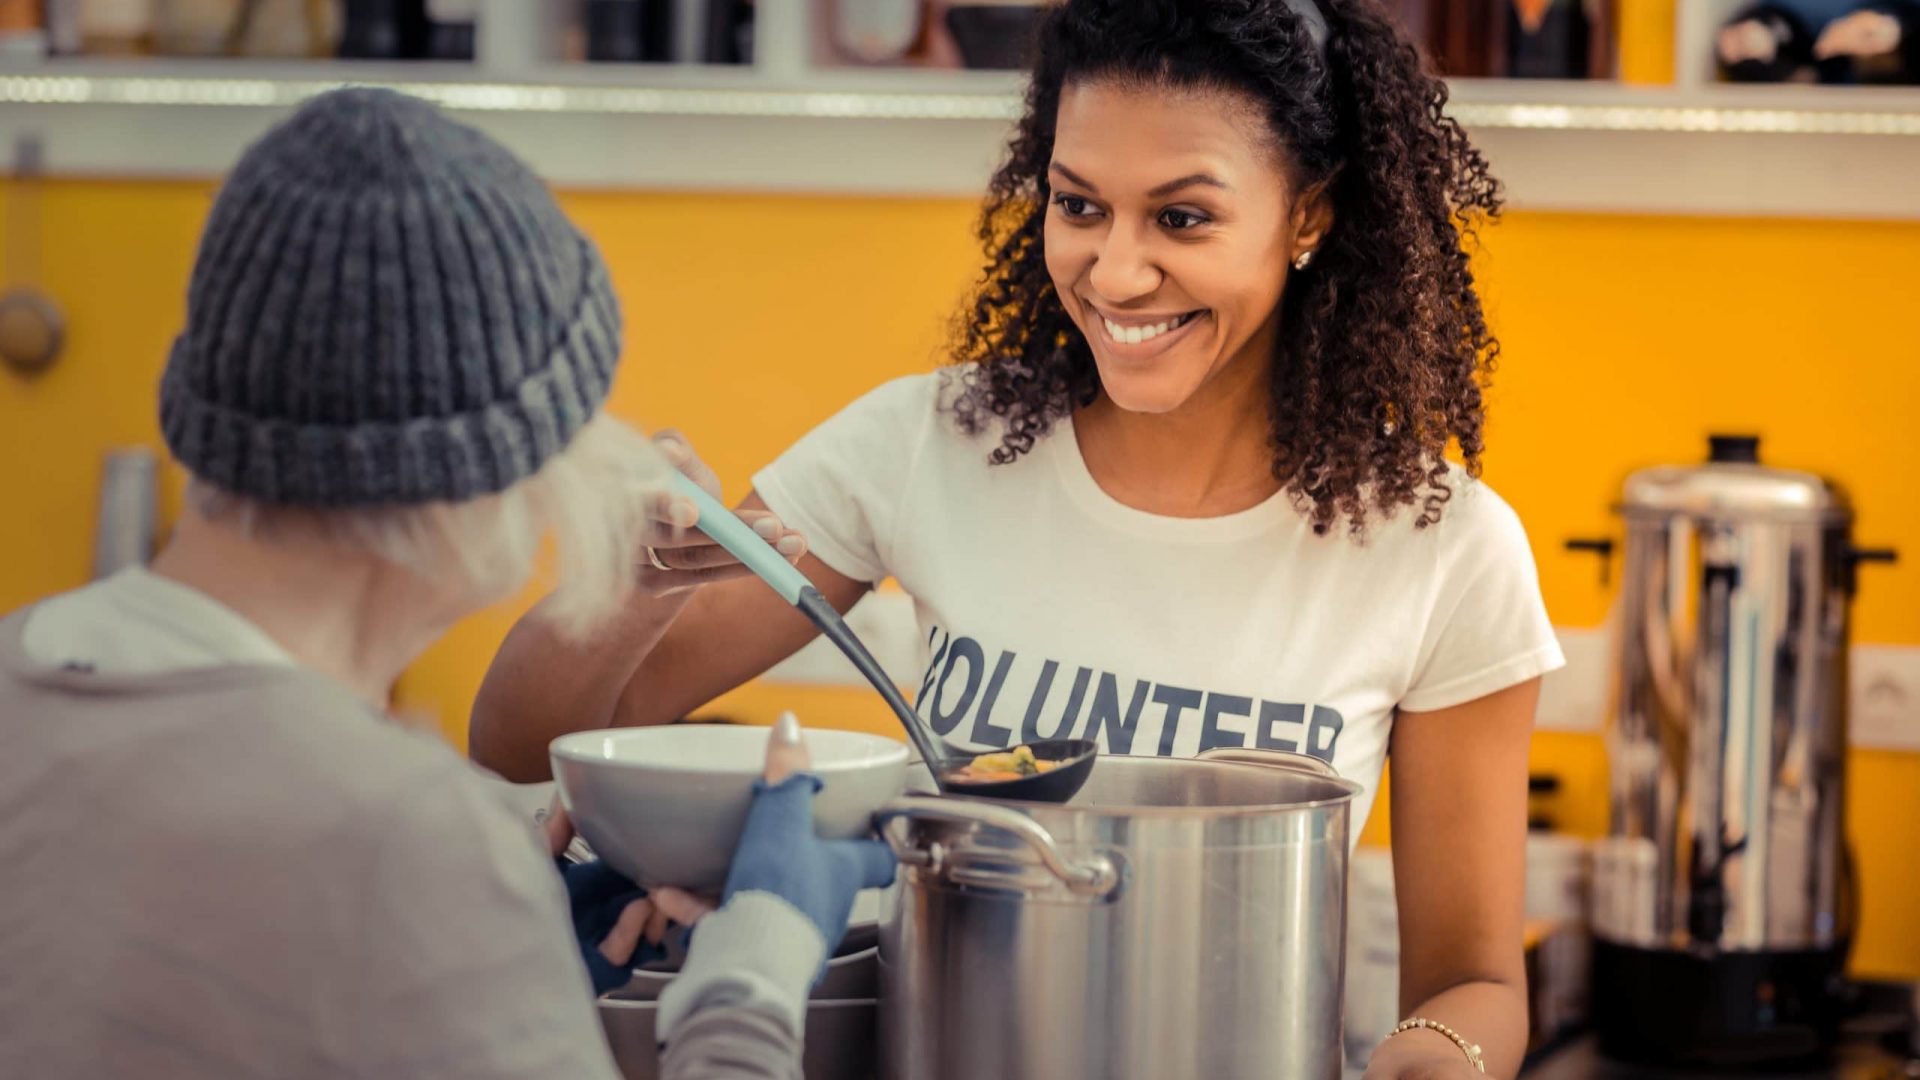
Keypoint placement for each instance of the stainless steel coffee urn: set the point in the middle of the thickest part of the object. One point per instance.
(1724, 902)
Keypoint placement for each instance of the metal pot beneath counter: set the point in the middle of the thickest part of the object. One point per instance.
(839, 1039)
(842, 1021)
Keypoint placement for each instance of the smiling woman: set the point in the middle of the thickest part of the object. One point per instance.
(1187, 484)
(1167, 179)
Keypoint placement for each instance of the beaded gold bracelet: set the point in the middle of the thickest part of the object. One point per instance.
(1472, 1050)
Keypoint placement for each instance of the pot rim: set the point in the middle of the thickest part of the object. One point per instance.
(1353, 788)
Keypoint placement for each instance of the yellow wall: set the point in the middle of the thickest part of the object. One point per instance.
(752, 318)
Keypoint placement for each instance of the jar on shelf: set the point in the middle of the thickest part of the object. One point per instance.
(253, 28)
(115, 27)
(452, 29)
(384, 30)
(613, 29)
(23, 31)
(875, 31)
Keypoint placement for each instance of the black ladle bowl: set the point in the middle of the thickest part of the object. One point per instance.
(1055, 786)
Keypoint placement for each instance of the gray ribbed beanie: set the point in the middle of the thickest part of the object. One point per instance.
(387, 308)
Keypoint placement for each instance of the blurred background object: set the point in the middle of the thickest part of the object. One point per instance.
(127, 530)
(875, 31)
(1831, 41)
(23, 29)
(452, 29)
(617, 31)
(114, 27)
(1559, 39)
(995, 35)
(729, 32)
(1373, 956)
(1528, 39)
(256, 28)
(990, 35)
(384, 30)
(62, 22)
(658, 31)
(867, 33)
(32, 327)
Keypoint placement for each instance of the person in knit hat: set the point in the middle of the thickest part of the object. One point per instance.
(224, 858)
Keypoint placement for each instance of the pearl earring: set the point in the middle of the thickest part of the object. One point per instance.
(1301, 261)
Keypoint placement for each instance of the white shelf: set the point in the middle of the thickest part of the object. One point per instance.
(585, 89)
(591, 89)
(1704, 148)
(1708, 108)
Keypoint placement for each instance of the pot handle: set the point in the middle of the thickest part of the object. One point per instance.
(1289, 760)
(1095, 875)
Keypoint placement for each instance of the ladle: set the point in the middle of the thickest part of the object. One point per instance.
(1074, 757)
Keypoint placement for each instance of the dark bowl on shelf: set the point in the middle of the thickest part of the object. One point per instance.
(995, 36)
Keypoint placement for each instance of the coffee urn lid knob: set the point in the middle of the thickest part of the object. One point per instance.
(1733, 449)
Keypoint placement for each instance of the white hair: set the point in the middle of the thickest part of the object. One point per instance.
(591, 499)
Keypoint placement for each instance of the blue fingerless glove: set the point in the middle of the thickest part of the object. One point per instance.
(779, 854)
(785, 909)
(596, 895)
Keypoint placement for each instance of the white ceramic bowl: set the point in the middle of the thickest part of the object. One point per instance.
(665, 805)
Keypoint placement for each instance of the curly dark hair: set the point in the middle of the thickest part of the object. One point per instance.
(1382, 349)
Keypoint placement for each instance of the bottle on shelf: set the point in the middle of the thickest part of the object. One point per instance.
(198, 27)
(1547, 39)
(114, 27)
(656, 31)
(613, 31)
(63, 27)
(452, 29)
(729, 32)
(251, 28)
(1558, 39)
(630, 31)
(1456, 34)
(23, 30)
(384, 30)
(996, 36)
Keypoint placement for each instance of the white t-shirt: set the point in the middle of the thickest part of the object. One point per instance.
(1050, 610)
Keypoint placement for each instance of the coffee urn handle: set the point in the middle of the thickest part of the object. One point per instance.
(1095, 875)
(1857, 556)
(1601, 546)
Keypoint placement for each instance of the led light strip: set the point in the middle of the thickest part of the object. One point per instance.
(515, 97)
(1739, 119)
(689, 101)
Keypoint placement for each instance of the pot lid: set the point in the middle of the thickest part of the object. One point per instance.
(1732, 482)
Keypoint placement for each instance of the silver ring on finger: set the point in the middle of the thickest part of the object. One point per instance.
(658, 563)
